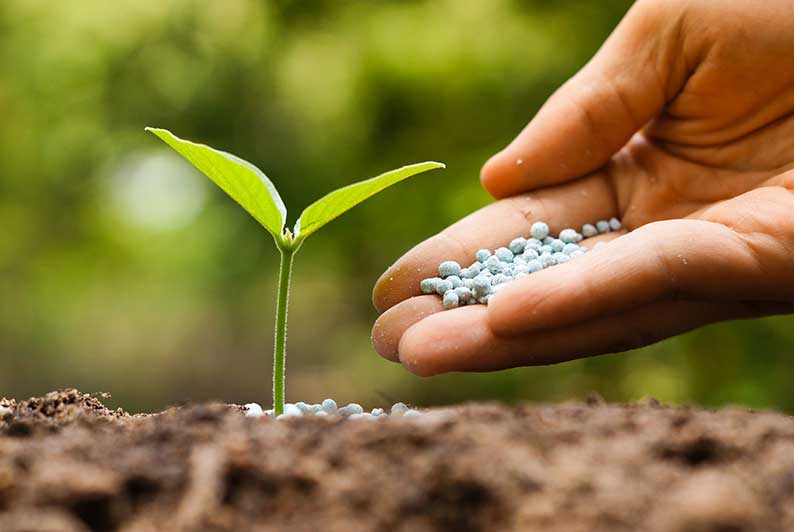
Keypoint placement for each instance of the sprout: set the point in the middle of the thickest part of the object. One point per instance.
(255, 193)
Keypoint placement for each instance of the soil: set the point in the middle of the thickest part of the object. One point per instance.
(68, 464)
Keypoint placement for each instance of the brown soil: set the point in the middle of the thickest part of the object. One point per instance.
(69, 464)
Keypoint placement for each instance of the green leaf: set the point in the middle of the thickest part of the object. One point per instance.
(244, 182)
(337, 202)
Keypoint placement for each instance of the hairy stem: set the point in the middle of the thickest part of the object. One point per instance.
(279, 355)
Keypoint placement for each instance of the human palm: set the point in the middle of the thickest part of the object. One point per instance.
(683, 126)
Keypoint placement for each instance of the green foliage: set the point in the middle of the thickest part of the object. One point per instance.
(250, 187)
(241, 180)
(337, 202)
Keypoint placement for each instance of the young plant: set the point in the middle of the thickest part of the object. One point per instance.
(255, 193)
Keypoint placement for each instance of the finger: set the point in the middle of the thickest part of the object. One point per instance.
(445, 342)
(595, 113)
(686, 259)
(392, 324)
(569, 205)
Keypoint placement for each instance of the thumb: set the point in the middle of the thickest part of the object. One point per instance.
(694, 260)
(597, 111)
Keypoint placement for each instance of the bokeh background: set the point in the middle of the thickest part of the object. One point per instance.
(123, 270)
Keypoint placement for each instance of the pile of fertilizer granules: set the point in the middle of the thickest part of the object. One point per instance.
(491, 272)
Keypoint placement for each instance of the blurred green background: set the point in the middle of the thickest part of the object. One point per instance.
(122, 269)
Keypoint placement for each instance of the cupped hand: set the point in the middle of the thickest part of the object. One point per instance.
(682, 126)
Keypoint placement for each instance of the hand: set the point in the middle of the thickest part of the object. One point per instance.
(682, 126)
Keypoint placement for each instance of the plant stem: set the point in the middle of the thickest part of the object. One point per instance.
(279, 355)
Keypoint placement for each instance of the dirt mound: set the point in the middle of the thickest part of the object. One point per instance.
(56, 409)
(78, 466)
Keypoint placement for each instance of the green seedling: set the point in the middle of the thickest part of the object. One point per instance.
(250, 187)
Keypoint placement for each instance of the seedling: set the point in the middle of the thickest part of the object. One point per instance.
(248, 186)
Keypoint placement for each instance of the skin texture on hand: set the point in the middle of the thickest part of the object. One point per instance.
(682, 126)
